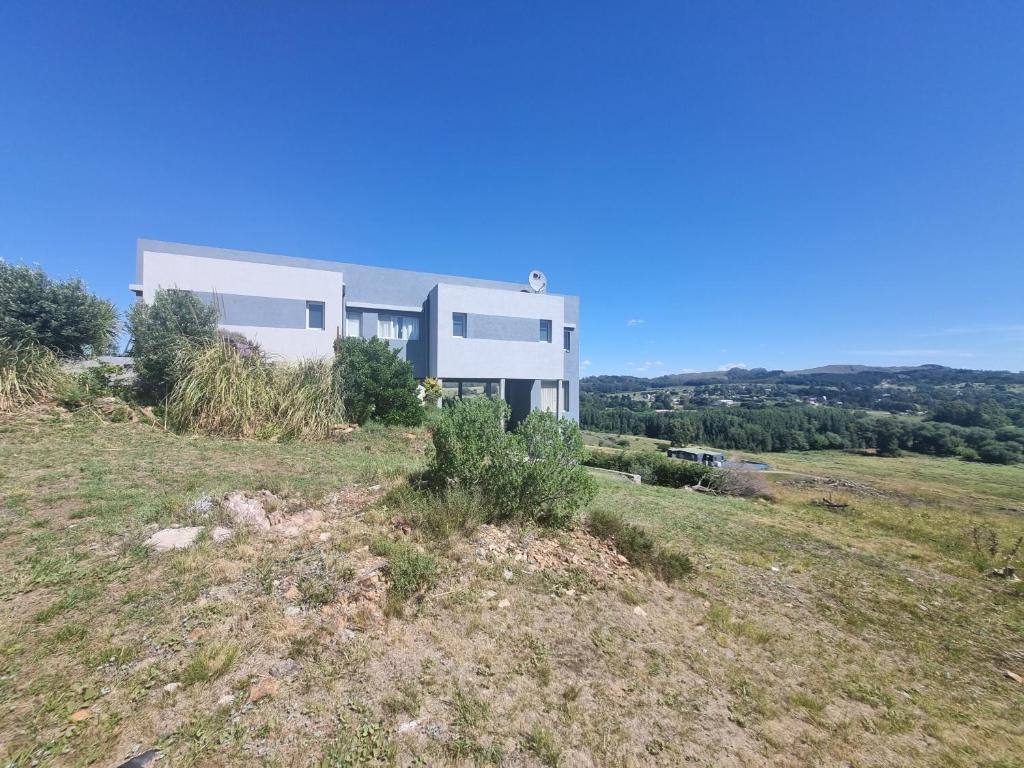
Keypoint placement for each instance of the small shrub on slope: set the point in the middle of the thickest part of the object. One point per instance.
(29, 373)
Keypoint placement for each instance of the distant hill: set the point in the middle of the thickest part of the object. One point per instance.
(869, 375)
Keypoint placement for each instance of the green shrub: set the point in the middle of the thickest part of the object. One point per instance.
(60, 315)
(29, 373)
(638, 546)
(176, 320)
(409, 570)
(439, 515)
(467, 437)
(656, 469)
(533, 474)
(376, 383)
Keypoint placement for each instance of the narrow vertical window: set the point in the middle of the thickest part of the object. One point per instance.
(315, 315)
(459, 324)
(545, 330)
(565, 396)
(567, 340)
(353, 324)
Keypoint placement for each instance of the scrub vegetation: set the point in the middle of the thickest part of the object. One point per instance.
(871, 634)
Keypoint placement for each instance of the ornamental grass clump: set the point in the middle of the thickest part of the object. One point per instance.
(29, 373)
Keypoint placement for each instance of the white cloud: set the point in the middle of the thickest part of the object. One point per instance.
(631, 323)
(585, 363)
(730, 366)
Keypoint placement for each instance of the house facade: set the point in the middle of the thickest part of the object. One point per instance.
(478, 337)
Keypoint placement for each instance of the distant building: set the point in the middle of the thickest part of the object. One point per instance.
(700, 455)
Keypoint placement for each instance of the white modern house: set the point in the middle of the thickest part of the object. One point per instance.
(510, 340)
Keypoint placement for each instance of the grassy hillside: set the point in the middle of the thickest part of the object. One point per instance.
(863, 636)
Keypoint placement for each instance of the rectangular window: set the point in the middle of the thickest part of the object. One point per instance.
(459, 324)
(398, 327)
(567, 340)
(354, 324)
(565, 395)
(549, 396)
(545, 331)
(315, 314)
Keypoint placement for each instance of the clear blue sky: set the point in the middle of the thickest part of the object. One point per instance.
(782, 184)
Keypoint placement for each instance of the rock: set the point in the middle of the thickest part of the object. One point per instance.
(412, 725)
(245, 511)
(220, 534)
(1013, 676)
(639, 611)
(488, 594)
(284, 668)
(504, 603)
(622, 559)
(79, 715)
(226, 700)
(292, 593)
(325, 536)
(292, 611)
(173, 538)
(171, 687)
(775, 569)
(141, 761)
(373, 488)
(262, 689)
(507, 575)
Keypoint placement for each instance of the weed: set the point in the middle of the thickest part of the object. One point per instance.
(470, 710)
(543, 744)
(364, 744)
(409, 570)
(209, 663)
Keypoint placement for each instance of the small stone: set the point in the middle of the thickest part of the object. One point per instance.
(639, 611)
(79, 715)
(775, 569)
(374, 488)
(292, 611)
(623, 559)
(141, 761)
(245, 511)
(173, 538)
(226, 700)
(263, 688)
(504, 603)
(220, 534)
(325, 536)
(1013, 676)
(412, 725)
(171, 687)
(507, 575)
(488, 594)
(284, 668)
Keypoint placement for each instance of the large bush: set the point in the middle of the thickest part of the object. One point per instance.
(28, 373)
(60, 315)
(376, 383)
(533, 474)
(232, 389)
(176, 321)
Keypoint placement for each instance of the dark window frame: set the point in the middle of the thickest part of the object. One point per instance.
(309, 317)
(456, 316)
(546, 330)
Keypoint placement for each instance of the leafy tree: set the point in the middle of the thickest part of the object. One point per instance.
(887, 437)
(376, 383)
(60, 315)
(161, 331)
(680, 432)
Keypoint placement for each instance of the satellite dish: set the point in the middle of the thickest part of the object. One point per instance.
(538, 281)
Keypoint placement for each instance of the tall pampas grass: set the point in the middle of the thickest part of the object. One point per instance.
(29, 373)
(233, 389)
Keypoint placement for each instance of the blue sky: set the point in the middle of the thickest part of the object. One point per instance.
(768, 184)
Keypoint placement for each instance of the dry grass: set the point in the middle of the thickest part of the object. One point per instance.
(804, 637)
(29, 374)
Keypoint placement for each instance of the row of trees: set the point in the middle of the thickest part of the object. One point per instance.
(803, 427)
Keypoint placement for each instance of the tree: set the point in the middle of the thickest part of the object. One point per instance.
(376, 383)
(680, 432)
(60, 315)
(161, 331)
(887, 437)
